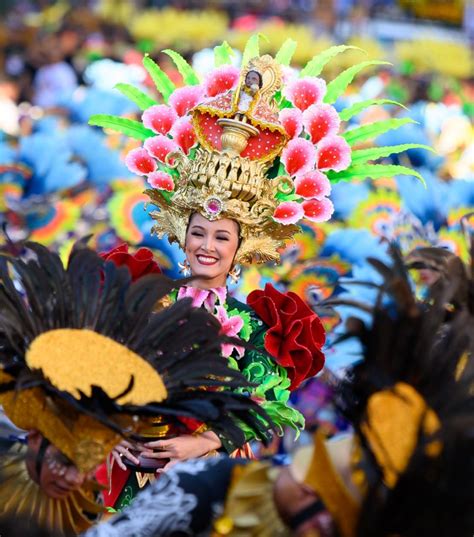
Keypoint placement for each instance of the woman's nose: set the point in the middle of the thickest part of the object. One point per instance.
(209, 243)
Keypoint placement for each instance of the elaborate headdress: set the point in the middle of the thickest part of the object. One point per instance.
(266, 151)
(85, 361)
(411, 403)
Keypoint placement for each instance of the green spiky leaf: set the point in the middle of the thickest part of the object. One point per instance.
(339, 85)
(190, 77)
(284, 55)
(318, 62)
(367, 132)
(372, 171)
(357, 108)
(162, 81)
(252, 48)
(129, 127)
(360, 156)
(223, 54)
(282, 101)
(141, 99)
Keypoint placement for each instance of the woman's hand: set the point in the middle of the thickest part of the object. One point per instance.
(122, 450)
(182, 447)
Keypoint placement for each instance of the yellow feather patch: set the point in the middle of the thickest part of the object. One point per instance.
(75, 360)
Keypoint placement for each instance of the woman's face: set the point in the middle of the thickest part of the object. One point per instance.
(210, 249)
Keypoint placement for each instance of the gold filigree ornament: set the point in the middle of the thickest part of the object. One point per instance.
(221, 183)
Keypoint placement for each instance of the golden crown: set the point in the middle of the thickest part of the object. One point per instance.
(219, 182)
(266, 151)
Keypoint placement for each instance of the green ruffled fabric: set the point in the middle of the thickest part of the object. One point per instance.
(272, 382)
(270, 379)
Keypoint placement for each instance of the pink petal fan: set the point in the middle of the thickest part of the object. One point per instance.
(318, 210)
(160, 146)
(183, 134)
(159, 118)
(140, 162)
(221, 79)
(161, 180)
(183, 99)
(288, 212)
(312, 185)
(320, 120)
(292, 121)
(333, 153)
(299, 156)
(303, 92)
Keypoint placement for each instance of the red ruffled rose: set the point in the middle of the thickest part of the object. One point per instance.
(139, 263)
(295, 336)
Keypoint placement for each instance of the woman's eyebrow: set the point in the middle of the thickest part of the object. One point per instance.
(222, 231)
(196, 226)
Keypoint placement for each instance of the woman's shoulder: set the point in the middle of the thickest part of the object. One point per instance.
(242, 307)
(234, 303)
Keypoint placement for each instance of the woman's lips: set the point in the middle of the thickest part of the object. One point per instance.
(206, 260)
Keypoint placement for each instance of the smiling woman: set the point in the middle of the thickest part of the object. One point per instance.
(226, 205)
(210, 250)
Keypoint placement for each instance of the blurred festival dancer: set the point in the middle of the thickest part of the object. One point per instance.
(412, 407)
(85, 363)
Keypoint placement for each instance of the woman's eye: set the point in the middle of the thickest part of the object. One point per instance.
(196, 234)
(222, 238)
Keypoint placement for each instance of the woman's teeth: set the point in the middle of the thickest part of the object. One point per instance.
(204, 260)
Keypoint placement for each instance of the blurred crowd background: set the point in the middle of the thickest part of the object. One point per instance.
(61, 179)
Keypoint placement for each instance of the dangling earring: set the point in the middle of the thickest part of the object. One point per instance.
(235, 274)
(185, 268)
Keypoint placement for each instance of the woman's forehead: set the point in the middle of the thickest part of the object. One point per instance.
(225, 224)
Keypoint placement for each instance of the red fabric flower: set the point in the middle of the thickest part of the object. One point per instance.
(295, 336)
(311, 185)
(318, 210)
(288, 212)
(333, 153)
(139, 263)
(161, 181)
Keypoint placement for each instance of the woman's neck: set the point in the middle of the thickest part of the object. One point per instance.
(213, 283)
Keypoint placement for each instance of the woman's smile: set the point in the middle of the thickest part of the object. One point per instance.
(206, 259)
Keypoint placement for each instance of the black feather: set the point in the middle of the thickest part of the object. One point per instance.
(430, 346)
(181, 342)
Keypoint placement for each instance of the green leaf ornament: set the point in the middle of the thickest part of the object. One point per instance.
(162, 81)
